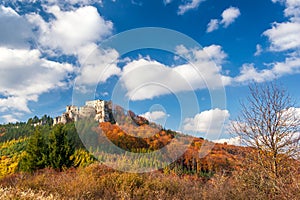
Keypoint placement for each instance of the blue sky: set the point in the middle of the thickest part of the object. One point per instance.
(52, 54)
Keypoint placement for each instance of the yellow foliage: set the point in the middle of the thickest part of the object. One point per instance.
(9, 165)
(9, 160)
(11, 142)
(82, 158)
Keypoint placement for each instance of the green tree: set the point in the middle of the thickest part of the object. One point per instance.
(60, 148)
(73, 135)
(36, 153)
(47, 120)
(35, 119)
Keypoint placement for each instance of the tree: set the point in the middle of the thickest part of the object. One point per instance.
(269, 123)
(73, 136)
(36, 153)
(35, 119)
(46, 120)
(60, 148)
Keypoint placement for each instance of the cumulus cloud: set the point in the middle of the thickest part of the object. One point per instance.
(154, 115)
(167, 1)
(232, 141)
(21, 34)
(67, 4)
(25, 75)
(16, 103)
(146, 79)
(292, 8)
(25, 72)
(229, 16)
(70, 30)
(97, 65)
(212, 25)
(209, 122)
(285, 35)
(79, 2)
(11, 118)
(193, 4)
(248, 72)
(259, 50)
(291, 65)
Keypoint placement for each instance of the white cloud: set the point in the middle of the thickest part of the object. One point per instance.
(15, 30)
(75, 32)
(259, 50)
(229, 16)
(291, 65)
(193, 4)
(209, 122)
(146, 79)
(154, 115)
(97, 65)
(212, 25)
(82, 2)
(25, 75)
(8, 11)
(18, 103)
(104, 93)
(11, 118)
(70, 30)
(249, 73)
(66, 3)
(292, 8)
(232, 141)
(167, 1)
(210, 53)
(284, 36)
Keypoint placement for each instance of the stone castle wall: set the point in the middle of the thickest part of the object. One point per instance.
(97, 109)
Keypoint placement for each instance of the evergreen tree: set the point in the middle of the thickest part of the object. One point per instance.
(73, 136)
(36, 153)
(60, 148)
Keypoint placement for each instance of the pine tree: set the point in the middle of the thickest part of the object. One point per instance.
(60, 148)
(36, 153)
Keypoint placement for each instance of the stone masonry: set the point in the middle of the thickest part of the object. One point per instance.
(96, 108)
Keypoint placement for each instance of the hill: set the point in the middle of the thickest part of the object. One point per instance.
(130, 133)
(170, 165)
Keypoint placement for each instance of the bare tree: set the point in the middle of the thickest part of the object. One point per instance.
(269, 122)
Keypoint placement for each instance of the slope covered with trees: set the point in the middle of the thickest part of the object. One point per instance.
(267, 167)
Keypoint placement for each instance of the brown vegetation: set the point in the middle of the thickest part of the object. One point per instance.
(99, 182)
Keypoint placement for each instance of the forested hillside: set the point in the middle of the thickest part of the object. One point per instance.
(39, 160)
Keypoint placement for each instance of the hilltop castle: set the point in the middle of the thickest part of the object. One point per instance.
(99, 109)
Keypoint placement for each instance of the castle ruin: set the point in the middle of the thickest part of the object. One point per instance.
(98, 109)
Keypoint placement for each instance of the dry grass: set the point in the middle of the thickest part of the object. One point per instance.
(28, 194)
(99, 182)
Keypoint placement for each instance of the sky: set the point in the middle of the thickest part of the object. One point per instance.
(185, 64)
